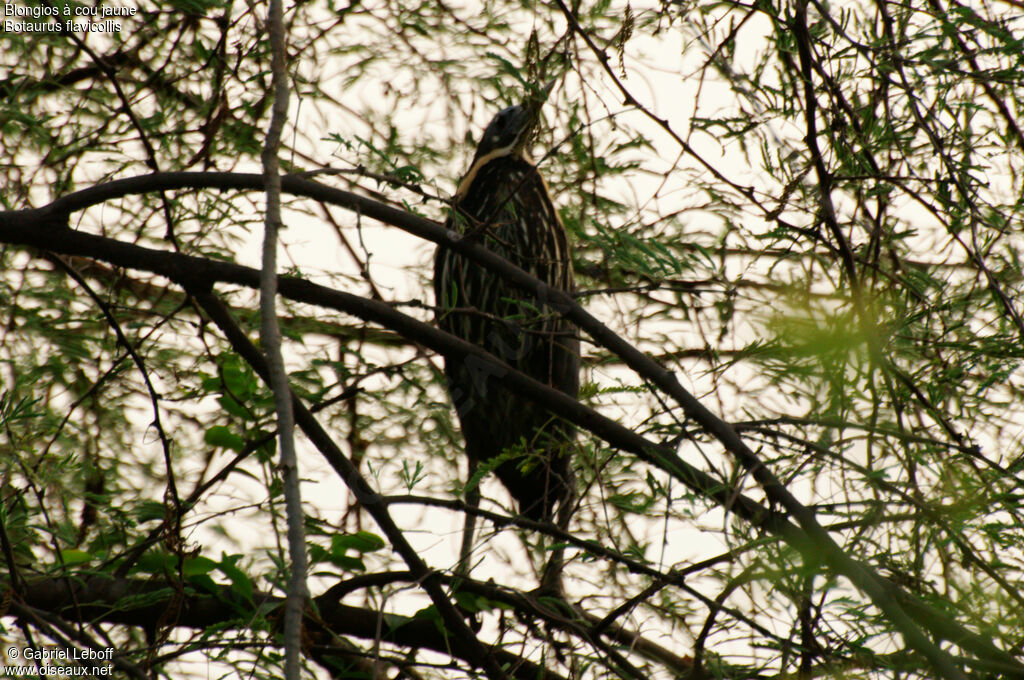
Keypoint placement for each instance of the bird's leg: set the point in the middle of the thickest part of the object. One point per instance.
(551, 576)
(469, 526)
(465, 563)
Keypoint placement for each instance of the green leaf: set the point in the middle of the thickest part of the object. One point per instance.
(240, 581)
(222, 436)
(147, 511)
(361, 541)
(198, 565)
(73, 556)
(473, 603)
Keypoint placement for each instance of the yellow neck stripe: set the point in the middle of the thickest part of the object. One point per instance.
(467, 181)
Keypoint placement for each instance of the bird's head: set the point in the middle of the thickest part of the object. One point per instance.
(511, 128)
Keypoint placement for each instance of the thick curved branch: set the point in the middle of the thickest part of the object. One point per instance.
(198, 274)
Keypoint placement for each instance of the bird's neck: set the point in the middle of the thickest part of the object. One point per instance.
(502, 162)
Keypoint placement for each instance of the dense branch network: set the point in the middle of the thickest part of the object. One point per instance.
(45, 228)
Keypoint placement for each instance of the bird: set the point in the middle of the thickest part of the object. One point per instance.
(503, 202)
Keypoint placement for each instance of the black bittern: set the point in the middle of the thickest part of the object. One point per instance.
(503, 202)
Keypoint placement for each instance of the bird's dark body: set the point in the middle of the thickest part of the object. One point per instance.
(504, 202)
